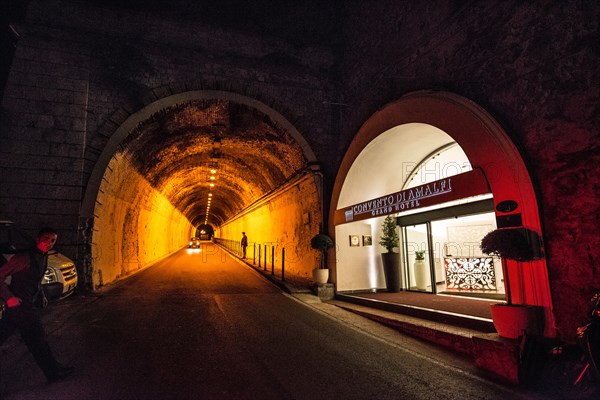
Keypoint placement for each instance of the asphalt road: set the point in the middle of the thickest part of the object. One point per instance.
(205, 326)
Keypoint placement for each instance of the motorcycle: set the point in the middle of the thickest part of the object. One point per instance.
(573, 368)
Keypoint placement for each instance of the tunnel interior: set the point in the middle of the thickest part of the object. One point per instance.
(191, 164)
(212, 147)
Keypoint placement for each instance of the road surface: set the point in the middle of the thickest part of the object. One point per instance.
(202, 325)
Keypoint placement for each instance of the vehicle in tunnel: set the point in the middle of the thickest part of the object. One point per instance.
(60, 279)
(194, 243)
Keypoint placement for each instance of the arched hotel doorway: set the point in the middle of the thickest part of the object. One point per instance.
(401, 140)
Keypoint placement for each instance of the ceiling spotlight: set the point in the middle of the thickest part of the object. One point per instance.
(212, 185)
(213, 171)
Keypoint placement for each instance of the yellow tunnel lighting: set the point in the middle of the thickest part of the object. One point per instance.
(212, 185)
(213, 171)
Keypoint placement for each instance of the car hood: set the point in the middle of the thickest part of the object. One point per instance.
(57, 260)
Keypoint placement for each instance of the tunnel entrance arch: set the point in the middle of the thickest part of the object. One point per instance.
(187, 160)
(439, 118)
(91, 192)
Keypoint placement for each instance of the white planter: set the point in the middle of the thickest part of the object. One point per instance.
(320, 275)
(421, 274)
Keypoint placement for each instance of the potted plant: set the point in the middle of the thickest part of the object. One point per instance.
(322, 243)
(421, 270)
(522, 245)
(391, 259)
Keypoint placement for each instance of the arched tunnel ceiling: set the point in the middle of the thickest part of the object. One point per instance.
(176, 148)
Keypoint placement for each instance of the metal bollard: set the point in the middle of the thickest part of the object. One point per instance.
(283, 264)
(273, 260)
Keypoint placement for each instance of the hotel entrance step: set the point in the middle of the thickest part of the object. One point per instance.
(474, 337)
(436, 317)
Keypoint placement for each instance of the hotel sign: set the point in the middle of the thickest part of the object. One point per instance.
(455, 187)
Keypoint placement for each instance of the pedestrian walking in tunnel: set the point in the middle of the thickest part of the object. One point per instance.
(24, 297)
(244, 243)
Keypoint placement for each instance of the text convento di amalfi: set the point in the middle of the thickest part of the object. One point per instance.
(400, 201)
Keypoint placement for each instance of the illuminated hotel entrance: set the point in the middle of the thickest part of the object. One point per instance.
(441, 166)
(442, 212)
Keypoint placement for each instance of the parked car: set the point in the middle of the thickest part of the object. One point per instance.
(194, 243)
(60, 278)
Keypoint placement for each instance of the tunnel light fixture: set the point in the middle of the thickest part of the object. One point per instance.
(212, 178)
(213, 171)
(212, 185)
(210, 195)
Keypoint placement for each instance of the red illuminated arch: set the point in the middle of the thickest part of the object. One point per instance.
(487, 146)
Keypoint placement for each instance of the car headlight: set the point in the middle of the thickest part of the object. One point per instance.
(49, 276)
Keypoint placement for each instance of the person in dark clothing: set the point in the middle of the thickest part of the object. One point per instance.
(244, 244)
(24, 296)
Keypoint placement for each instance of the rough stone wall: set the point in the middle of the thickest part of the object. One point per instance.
(42, 138)
(534, 66)
(288, 220)
(134, 225)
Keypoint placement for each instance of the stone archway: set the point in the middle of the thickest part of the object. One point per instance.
(148, 190)
(489, 148)
(91, 192)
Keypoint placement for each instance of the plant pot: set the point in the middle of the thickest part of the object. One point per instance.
(512, 320)
(391, 271)
(421, 274)
(320, 275)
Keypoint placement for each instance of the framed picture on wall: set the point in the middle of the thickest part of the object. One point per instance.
(354, 240)
(367, 240)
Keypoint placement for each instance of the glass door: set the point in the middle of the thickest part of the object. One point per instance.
(463, 269)
(417, 259)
